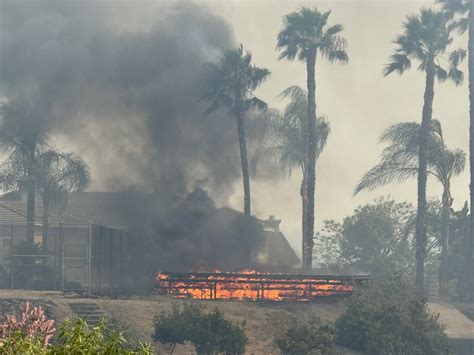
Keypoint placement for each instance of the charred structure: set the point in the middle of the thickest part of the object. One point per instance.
(250, 285)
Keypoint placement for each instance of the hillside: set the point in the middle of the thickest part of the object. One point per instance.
(263, 320)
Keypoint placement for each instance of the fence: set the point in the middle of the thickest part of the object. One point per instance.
(66, 257)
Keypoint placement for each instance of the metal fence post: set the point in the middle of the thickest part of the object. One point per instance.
(89, 262)
(101, 257)
(61, 257)
(111, 262)
(12, 257)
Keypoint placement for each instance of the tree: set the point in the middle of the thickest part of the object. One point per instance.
(388, 318)
(399, 161)
(57, 174)
(209, 332)
(306, 34)
(288, 137)
(23, 134)
(306, 338)
(374, 239)
(425, 39)
(231, 83)
(32, 166)
(463, 13)
(459, 256)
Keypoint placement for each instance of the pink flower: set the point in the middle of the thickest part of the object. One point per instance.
(33, 323)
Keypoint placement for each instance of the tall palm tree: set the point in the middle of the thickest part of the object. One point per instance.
(57, 174)
(231, 83)
(306, 34)
(462, 12)
(23, 134)
(288, 139)
(399, 161)
(425, 39)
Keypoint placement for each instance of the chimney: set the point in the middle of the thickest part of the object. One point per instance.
(271, 224)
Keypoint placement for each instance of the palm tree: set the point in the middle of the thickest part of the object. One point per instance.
(231, 83)
(399, 161)
(57, 174)
(23, 134)
(463, 13)
(306, 34)
(288, 139)
(425, 39)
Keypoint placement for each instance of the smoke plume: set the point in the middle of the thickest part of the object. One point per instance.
(119, 83)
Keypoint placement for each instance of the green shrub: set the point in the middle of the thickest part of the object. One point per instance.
(115, 325)
(75, 337)
(30, 334)
(21, 343)
(305, 339)
(210, 333)
(387, 318)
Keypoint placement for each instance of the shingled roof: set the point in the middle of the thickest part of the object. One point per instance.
(82, 208)
(278, 250)
(101, 208)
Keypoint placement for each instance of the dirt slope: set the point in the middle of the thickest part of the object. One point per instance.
(263, 320)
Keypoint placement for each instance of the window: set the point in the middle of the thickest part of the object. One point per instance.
(5, 243)
(38, 239)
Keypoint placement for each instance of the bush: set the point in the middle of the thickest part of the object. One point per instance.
(210, 333)
(31, 325)
(123, 327)
(19, 343)
(302, 338)
(387, 318)
(32, 333)
(75, 337)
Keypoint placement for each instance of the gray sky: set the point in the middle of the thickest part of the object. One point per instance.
(359, 102)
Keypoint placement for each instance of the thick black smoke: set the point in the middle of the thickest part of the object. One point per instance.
(124, 93)
(119, 83)
(190, 234)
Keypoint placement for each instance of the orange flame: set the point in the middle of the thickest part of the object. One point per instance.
(252, 285)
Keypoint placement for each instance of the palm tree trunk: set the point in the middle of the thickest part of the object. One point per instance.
(244, 160)
(311, 164)
(443, 276)
(303, 212)
(471, 142)
(420, 234)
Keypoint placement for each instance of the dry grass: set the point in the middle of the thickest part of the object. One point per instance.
(263, 321)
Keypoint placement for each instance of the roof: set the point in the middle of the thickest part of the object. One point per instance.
(101, 208)
(279, 251)
(82, 208)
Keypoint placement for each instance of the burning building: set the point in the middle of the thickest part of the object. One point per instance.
(255, 286)
(90, 241)
(276, 253)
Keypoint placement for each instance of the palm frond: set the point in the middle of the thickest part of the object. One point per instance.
(426, 37)
(232, 80)
(306, 32)
(399, 160)
(383, 174)
(293, 92)
(287, 144)
(399, 63)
